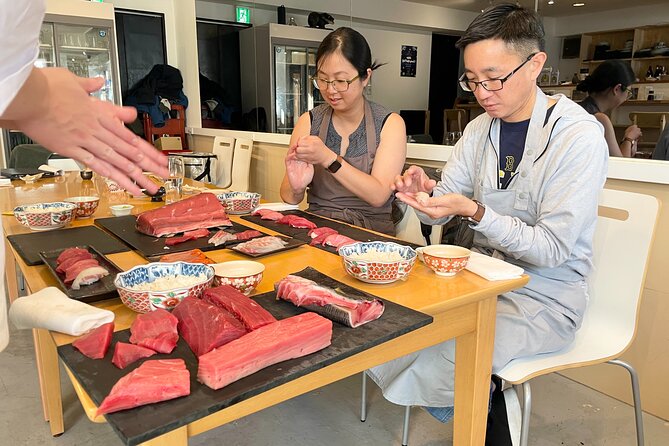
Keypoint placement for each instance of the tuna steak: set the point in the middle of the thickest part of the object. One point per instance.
(155, 380)
(156, 330)
(125, 354)
(95, 344)
(289, 338)
(204, 326)
(247, 310)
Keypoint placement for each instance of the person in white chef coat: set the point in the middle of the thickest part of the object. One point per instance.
(53, 107)
(526, 177)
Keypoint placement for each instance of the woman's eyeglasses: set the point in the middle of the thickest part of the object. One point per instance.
(340, 85)
(490, 84)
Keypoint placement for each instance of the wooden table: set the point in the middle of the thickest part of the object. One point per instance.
(463, 308)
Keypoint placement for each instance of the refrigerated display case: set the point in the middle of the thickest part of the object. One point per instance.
(284, 60)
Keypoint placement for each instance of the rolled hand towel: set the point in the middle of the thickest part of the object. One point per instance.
(491, 268)
(51, 309)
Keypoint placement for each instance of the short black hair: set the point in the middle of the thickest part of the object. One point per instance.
(607, 75)
(520, 28)
(352, 46)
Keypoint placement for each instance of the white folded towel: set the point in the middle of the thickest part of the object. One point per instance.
(278, 206)
(492, 269)
(51, 309)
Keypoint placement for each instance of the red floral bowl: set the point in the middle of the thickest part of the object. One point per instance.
(378, 262)
(445, 260)
(239, 202)
(45, 216)
(86, 206)
(245, 275)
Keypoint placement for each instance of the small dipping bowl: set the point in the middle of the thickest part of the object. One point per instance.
(86, 206)
(120, 210)
(245, 275)
(445, 260)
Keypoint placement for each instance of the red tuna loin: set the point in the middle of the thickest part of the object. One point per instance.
(296, 222)
(72, 259)
(204, 326)
(327, 302)
(197, 212)
(247, 310)
(289, 338)
(95, 344)
(154, 381)
(156, 330)
(125, 354)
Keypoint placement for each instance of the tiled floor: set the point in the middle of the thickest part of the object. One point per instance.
(565, 413)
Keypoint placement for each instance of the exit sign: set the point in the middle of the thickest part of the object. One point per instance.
(243, 14)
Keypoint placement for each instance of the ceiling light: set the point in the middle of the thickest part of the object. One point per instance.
(550, 2)
(576, 5)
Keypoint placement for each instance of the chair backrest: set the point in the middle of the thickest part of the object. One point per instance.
(241, 165)
(455, 120)
(173, 126)
(409, 229)
(653, 120)
(417, 122)
(224, 148)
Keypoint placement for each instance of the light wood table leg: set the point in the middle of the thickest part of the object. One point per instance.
(38, 363)
(10, 273)
(473, 365)
(177, 437)
(49, 379)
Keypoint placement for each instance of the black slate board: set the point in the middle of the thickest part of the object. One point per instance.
(138, 425)
(28, 246)
(100, 290)
(148, 246)
(302, 234)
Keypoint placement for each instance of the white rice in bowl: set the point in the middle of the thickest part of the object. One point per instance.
(374, 255)
(169, 283)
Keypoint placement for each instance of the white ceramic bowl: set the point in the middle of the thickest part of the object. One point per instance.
(377, 270)
(121, 209)
(45, 216)
(145, 301)
(86, 206)
(245, 275)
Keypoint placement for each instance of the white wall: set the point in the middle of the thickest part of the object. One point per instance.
(618, 19)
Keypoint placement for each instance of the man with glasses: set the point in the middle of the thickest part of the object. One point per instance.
(525, 176)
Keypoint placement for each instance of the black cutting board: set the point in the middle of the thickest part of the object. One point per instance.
(138, 425)
(148, 246)
(303, 234)
(28, 246)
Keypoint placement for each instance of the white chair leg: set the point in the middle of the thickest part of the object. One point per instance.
(405, 429)
(638, 414)
(363, 399)
(527, 410)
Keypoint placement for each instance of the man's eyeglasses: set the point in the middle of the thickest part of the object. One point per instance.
(339, 85)
(490, 84)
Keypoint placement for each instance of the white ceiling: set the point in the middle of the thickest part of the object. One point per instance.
(560, 8)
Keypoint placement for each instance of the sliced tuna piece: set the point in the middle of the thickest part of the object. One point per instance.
(248, 235)
(289, 338)
(221, 237)
(69, 252)
(318, 236)
(338, 240)
(296, 221)
(197, 212)
(192, 256)
(204, 326)
(261, 245)
(88, 276)
(272, 215)
(156, 330)
(155, 380)
(95, 344)
(247, 310)
(73, 271)
(327, 302)
(188, 235)
(125, 354)
(72, 259)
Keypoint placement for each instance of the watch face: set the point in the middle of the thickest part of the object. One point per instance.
(334, 167)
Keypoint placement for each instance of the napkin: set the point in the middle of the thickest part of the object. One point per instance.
(52, 169)
(51, 309)
(492, 269)
(278, 206)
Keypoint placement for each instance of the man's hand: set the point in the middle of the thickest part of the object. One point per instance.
(413, 180)
(439, 207)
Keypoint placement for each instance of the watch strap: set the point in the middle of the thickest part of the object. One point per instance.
(478, 215)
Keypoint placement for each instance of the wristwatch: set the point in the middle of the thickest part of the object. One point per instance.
(335, 165)
(478, 215)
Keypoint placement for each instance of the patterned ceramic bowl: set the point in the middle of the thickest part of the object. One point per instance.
(239, 202)
(162, 295)
(445, 260)
(245, 275)
(86, 206)
(45, 216)
(378, 262)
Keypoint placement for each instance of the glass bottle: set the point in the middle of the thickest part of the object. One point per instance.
(649, 73)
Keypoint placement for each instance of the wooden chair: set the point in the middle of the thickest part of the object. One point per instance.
(224, 148)
(173, 126)
(455, 120)
(651, 124)
(241, 165)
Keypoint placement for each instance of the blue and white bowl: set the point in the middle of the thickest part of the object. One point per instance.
(239, 202)
(376, 269)
(45, 216)
(145, 301)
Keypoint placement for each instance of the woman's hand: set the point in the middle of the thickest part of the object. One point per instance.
(413, 180)
(299, 173)
(633, 132)
(312, 150)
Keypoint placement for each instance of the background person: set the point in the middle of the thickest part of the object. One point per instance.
(347, 151)
(528, 173)
(608, 87)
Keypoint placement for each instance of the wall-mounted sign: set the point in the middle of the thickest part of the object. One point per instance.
(243, 15)
(408, 61)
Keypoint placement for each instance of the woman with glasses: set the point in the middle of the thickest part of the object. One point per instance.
(608, 87)
(348, 150)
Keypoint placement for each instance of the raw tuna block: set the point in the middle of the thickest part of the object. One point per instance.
(95, 344)
(289, 338)
(204, 326)
(156, 330)
(125, 354)
(155, 380)
(327, 302)
(247, 310)
(296, 221)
